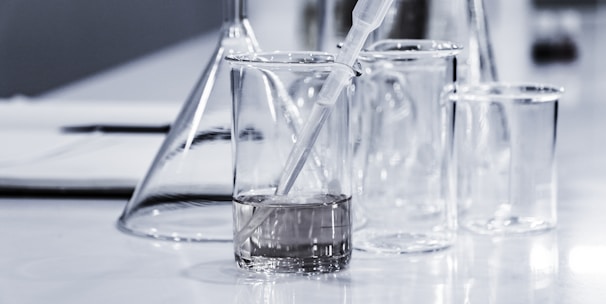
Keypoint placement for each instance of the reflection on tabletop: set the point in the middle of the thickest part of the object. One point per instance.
(99, 262)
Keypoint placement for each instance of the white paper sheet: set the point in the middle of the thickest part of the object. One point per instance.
(37, 156)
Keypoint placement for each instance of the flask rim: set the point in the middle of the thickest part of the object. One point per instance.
(393, 49)
(503, 91)
(290, 60)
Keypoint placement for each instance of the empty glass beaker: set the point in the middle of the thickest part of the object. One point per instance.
(309, 228)
(186, 193)
(505, 144)
(404, 178)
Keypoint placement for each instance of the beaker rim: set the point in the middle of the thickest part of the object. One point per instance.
(410, 49)
(289, 59)
(500, 91)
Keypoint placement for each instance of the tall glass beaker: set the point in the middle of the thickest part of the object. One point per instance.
(306, 228)
(186, 194)
(404, 177)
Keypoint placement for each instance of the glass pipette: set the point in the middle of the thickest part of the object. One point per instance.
(367, 15)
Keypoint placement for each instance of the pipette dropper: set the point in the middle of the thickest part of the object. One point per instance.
(367, 15)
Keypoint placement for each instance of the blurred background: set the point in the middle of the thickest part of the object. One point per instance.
(50, 46)
(133, 63)
(47, 44)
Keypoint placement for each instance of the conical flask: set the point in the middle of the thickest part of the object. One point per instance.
(463, 22)
(186, 193)
(480, 61)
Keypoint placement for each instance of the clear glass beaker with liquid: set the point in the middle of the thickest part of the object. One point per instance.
(307, 229)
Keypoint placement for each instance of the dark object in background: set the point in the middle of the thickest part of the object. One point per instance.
(411, 19)
(557, 44)
(557, 49)
(46, 44)
(556, 33)
(564, 2)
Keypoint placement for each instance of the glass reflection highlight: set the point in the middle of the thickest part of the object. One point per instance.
(587, 259)
(507, 269)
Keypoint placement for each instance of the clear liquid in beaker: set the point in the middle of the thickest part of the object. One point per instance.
(300, 234)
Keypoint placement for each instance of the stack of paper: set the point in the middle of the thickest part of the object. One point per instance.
(61, 148)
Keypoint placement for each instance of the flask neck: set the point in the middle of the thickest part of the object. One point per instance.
(234, 11)
(236, 29)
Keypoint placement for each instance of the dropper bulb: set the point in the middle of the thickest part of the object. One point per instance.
(367, 15)
(371, 12)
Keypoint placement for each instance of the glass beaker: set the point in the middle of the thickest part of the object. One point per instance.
(186, 193)
(404, 169)
(308, 229)
(505, 143)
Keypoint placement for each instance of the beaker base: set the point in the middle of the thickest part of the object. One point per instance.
(512, 225)
(394, 242)
(306, 265)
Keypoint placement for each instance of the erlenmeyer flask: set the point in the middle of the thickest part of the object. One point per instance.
(186, 194)
(463, 22)
(480, 61)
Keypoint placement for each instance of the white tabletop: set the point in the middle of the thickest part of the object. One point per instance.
(69, 251)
